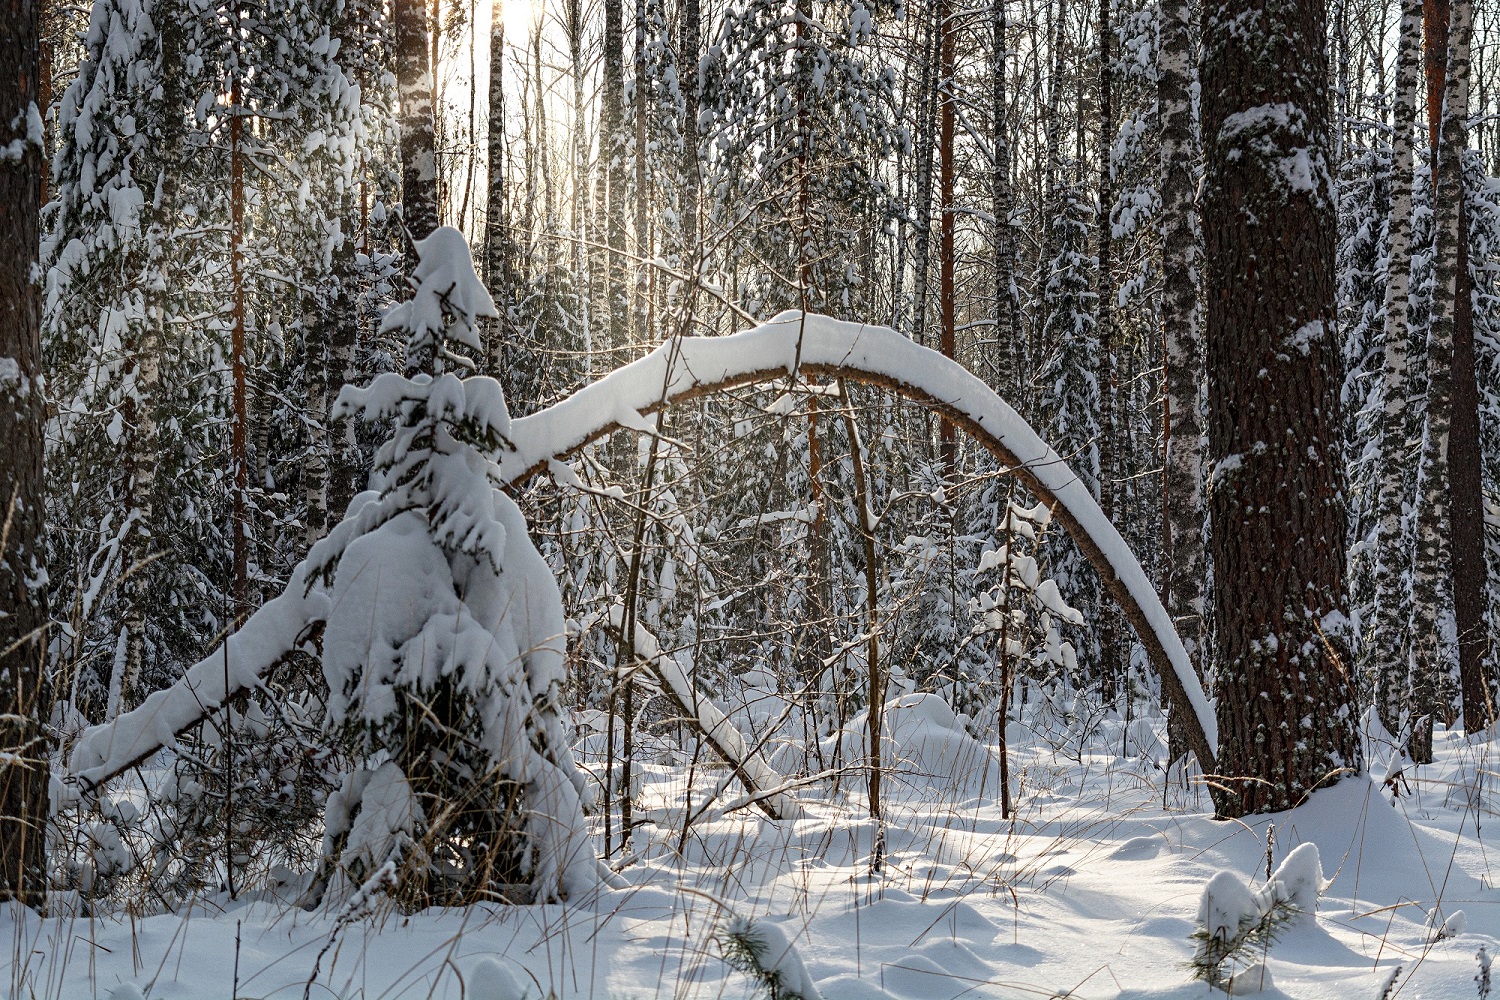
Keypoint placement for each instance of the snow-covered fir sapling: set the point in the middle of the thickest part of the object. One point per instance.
(1235, 921)
(444, 649)
(1482, 978)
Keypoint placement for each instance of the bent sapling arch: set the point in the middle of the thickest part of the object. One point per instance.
(818, 346)
(686, 368)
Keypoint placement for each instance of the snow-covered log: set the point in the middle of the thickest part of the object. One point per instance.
(760, 779)
(279, 628)
(818, 346)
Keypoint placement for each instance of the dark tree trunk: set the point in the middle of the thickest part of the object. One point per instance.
(1287, 722)
(24, 693)
(1466, 506)
(419, 193)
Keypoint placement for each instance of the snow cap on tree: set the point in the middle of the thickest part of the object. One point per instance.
(448, 300)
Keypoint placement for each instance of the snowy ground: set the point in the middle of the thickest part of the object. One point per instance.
(1091, 891)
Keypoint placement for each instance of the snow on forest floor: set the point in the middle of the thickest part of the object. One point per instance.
(1091, 891)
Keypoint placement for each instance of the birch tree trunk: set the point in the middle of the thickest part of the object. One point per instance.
(1009, 353)
(688, 70)
(419, 193)
(1110, 674)
(640, 306)
(947, 294)
(24, 695)
(926, 123)
(1388, 640)
(1185, 571)
(612, 151)
(1285, 697)
(1434, 525)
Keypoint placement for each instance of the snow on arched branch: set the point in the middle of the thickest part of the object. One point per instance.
(681, 369)
(687, 367)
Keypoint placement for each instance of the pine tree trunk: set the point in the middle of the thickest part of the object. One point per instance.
(419, 193)
(1184, 572)
(1434, 523)
(1285, 697)
(24, 693)
(1388, 640)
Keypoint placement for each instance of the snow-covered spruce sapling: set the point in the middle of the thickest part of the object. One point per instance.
(444, 649)
(1482, 978)
(759, 950)
(1236, 921)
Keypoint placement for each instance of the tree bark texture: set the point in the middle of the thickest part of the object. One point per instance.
(1284, 694)
(1184, 577)
(419, 193)
(1387, 642)
(1433, 558)
(24, 694)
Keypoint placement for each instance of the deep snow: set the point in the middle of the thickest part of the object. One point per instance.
(1091, 892)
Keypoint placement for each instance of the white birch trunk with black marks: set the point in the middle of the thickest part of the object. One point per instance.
(1434, 542)
(419, 193)
(1388, 640)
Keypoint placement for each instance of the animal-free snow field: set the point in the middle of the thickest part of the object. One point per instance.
(1092, 889)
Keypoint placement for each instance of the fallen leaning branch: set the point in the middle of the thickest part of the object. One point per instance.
(766, 787)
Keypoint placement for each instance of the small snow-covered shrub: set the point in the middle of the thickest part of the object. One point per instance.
(1235, 921)
(443, 652)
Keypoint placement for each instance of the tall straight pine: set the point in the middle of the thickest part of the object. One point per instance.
(24, 771)
(1286, 721)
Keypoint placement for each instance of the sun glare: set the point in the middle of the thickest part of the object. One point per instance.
(521, 17)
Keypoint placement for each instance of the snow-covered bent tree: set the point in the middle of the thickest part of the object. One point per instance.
(437, 517)
(443, 648)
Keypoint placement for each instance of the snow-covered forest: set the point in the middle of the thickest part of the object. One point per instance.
(515, 499)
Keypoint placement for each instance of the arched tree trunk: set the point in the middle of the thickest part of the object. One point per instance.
(681, 370)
